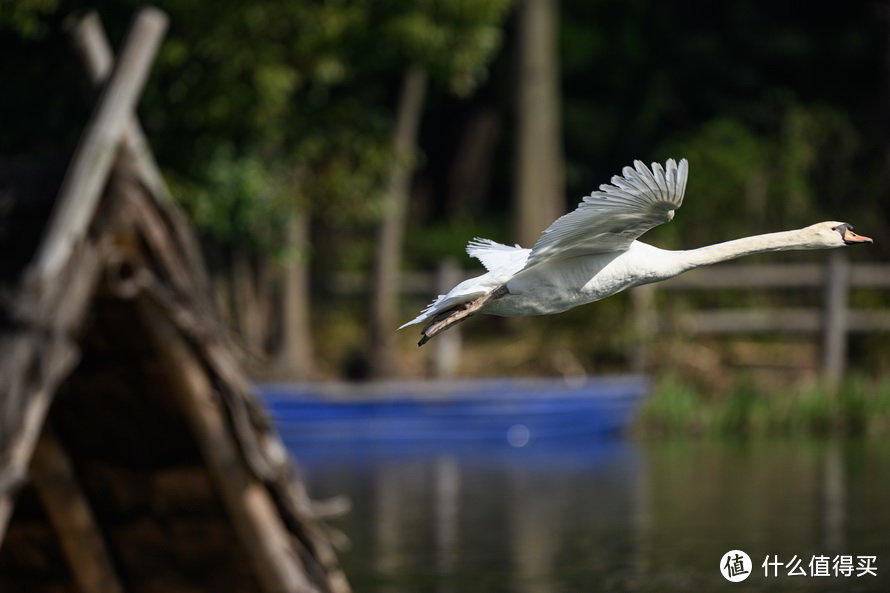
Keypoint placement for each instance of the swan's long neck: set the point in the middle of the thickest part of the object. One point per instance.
(720, 252)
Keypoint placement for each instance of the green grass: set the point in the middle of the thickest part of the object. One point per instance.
(859, 407)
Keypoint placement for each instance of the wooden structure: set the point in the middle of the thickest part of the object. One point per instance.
(833, 321)
(133, 455)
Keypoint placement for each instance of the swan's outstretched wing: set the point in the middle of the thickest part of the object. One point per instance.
(612, 218)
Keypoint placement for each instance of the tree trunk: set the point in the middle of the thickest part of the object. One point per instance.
(385, 284)
(294, 357)
(539, 164)
(471, 172)
(248, 310)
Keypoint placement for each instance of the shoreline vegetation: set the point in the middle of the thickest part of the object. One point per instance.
(858, 407)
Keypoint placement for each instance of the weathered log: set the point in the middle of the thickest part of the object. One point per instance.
(96, 151)
(91, 45)
(72, 518)
(247, 500)
(95, 53)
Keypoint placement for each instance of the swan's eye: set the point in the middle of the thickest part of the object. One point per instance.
(843, 228)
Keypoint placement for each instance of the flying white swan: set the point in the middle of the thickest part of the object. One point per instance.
(593, 252)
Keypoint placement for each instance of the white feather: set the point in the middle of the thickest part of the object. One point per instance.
(501, 261)
(496, 256)
(610, 219)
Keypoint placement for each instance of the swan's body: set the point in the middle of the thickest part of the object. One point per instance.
(593, 252)
(565, 284)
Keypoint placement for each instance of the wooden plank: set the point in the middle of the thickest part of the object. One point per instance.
(96, 151)
(740, 321)
(748, 276)
(263, 535)
(72, 518)
(870, 276)
(868, 321)
(766, 276)
(747, 321)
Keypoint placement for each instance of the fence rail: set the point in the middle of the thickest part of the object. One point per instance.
(833, 319)
(795, 275)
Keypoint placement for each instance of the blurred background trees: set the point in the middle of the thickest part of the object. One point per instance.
(311, 139)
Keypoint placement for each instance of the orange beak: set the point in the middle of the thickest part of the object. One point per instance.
(850, 238)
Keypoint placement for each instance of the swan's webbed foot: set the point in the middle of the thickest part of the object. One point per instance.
(456, 314)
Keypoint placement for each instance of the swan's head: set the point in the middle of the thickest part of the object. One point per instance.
(834, 234)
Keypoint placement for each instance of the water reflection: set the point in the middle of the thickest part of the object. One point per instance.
(615, 516)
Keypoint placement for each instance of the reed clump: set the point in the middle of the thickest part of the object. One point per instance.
(859, 406)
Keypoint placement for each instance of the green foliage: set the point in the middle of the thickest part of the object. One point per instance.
(434, 242)
(24, 16)
(728, 165)
(860, 406)
(673, 406)
(240, 194)
(308, 85)
(452, 39)
(788, 175)
(271, 79)
(293, 99)
(768, 138)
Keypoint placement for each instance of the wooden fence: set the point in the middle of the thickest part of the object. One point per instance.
(833, 320)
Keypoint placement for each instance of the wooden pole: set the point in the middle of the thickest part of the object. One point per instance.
(95, 53)
(266, 541)
(642, 299)
(91, 45)
(539, 183)
(72, 518)
(834, 328)
(96, 151)
(48, 353)
(446, 352)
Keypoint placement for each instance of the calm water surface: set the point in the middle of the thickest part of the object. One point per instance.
(581, 517)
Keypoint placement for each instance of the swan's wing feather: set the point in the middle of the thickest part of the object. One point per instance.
(501, 261)
(613, 217)
(468, 290)
(496, 256)
(427, 312)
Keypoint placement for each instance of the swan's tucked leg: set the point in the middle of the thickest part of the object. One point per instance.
(455, 315)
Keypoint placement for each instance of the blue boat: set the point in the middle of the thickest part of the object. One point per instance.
(514, 411)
